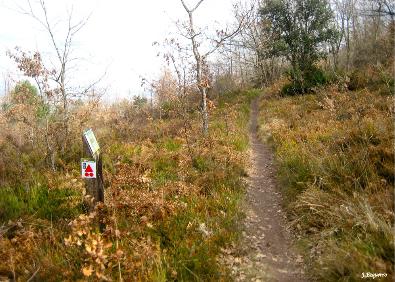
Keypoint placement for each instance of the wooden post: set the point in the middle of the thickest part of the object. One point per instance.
(94, 186)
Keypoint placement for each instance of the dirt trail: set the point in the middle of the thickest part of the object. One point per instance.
(266, 252)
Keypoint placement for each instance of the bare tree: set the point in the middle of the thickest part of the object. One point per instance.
(63, 49)
(256, 39)
(54, 81)
(382, 7)
(192, 34)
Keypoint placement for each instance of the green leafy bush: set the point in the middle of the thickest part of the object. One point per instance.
(304, 82)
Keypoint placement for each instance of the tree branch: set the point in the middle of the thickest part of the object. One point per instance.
(191, 10)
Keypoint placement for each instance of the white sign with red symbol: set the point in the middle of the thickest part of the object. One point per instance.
(88, 169)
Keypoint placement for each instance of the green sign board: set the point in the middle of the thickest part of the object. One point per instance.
(91, 139)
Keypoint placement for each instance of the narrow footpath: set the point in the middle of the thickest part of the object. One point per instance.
(265, 252)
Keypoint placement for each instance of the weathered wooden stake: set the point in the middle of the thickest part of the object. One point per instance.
(94, 186)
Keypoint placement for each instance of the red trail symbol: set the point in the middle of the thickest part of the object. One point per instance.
(89, 171)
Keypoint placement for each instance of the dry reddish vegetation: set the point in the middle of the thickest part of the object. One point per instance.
(336, 163)
(171, 195)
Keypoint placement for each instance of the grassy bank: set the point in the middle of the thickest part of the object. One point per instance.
(336, 167)
(172, 201)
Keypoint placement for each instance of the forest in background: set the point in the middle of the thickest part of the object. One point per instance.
(174, 162)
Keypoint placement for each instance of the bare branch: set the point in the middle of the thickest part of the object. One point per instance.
(226, 36)
(34, 274)
(92, 85)
(191, 10)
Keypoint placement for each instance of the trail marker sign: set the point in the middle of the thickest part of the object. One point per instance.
(92, 169)
(92, 142)
(88, 168)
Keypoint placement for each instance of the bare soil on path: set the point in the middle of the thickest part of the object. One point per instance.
(266, 250)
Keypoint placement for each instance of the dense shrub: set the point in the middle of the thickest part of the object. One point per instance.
(304, 82)
(377, 77)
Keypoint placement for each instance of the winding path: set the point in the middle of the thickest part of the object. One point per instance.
(266, 252)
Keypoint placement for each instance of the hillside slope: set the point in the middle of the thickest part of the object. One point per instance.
(335, 159)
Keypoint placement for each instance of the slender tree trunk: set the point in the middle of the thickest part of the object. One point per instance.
(199, 65)
(203, 92)
(50, 150)
(348, 45)
(65, 117)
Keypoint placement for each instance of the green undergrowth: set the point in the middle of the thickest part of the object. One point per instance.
(336, 165)
(52, 204)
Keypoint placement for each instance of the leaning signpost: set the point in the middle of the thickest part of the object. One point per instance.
(91, 168)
